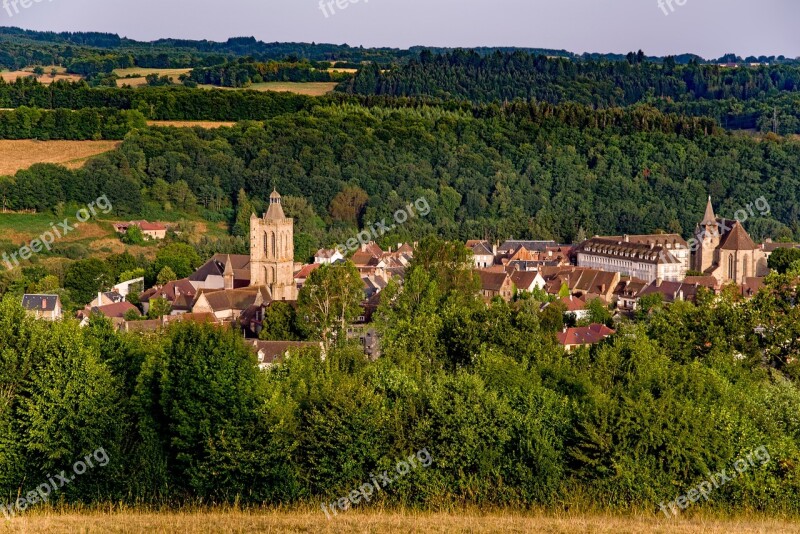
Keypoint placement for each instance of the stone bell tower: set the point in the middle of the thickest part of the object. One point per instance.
(272, 251)
(708, 237)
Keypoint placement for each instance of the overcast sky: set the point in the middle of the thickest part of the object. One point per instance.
(709, 28)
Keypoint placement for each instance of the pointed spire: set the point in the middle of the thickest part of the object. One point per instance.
(228, 267)
(709, 218)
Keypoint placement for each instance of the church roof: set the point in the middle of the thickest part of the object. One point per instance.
(737, 239)
(275, 211)
(709, 218)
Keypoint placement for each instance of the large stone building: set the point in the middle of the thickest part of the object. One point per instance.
(272, 251)
(646, 257)
(726, 251)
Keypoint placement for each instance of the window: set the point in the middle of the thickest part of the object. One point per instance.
(730, 267)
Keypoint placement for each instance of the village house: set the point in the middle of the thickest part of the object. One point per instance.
(180, 294)
(47, 307)
(228, 304)
(496, 284)
(107, 297)
(270, 353)
(150, 230)
(581, 281)
(483, 253)
(575, 306)
(583, 336)
(527, 280)
(116, 312)
(327, 255)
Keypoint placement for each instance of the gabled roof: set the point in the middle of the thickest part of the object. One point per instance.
(492, 281)
(216, 267)
(574, 304)
(524, 279)
(169, 291)
(480, 248)
(306, 271)
(326, 253)
(116, 310)
(584, 335)
(234, 299)
(365, 258)
(672, 291)
(751, 286)
(40, 302)
(737, 239)
(537, 246)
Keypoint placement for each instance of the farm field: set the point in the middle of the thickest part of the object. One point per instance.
(300, 88)
(16, 155)
(11, 76)
(192, 124)
(139, 74)
(401, 522)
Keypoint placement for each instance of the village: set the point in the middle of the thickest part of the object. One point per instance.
(617, 271)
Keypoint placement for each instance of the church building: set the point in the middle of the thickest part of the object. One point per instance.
(726, 251)
(272, 251)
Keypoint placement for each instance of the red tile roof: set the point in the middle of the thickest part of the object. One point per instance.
(584, 335)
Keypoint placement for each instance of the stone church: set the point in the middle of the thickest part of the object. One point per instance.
(726, 251)
(272, 251)
(234, 286)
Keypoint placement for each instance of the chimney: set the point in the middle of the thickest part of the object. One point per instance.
(494, 249)
(626, 238)
(680, 294)
(99, 298)
(44, 303)
(658, 282)
(603, 289)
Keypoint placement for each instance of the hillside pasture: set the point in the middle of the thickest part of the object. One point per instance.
(16, 155)
(300, 88)
(46, 79)
(192, 124)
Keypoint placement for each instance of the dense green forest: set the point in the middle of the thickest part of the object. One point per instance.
(523, 170)
(507, 418)
(243, 72)
(740, 98)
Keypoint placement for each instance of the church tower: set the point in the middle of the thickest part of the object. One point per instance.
(708, 238)
(272, 251)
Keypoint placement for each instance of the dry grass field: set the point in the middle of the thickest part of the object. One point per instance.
(192, 124)
(137, 71)
(11, 76)
(139, 74)
(377, 522)
(300, 88)
(21, 154)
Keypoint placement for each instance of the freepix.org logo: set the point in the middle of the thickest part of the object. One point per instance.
(12, 7)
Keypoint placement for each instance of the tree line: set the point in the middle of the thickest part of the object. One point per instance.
(508, 418)
(465, 74)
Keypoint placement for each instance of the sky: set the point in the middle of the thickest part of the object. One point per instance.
(709, 28)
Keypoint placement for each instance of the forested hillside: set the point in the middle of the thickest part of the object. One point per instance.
(738, 97)
(535, 170)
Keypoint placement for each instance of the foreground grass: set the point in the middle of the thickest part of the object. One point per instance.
(311, 520)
